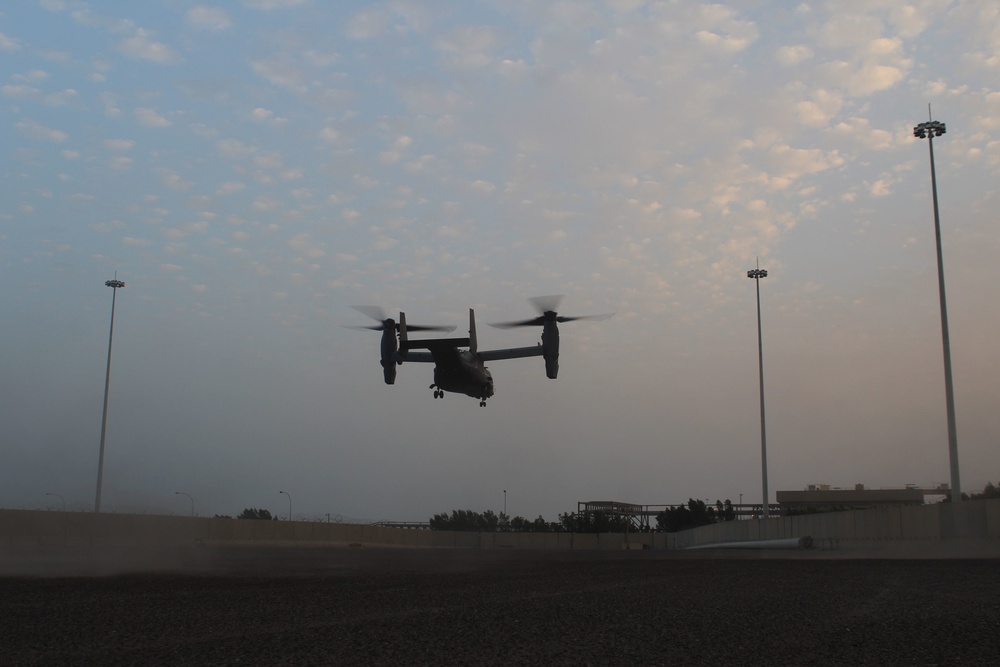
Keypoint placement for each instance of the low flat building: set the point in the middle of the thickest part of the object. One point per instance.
(822, 498)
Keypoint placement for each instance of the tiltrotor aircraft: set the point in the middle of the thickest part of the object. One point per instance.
(464, 371)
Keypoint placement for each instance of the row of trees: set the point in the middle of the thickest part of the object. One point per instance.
(989, 491)
(695, 513)
(251, 513)
(671, 520)
(490, 522)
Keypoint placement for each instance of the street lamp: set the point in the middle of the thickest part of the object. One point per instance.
(114, 285)
(505, 502)
(756, 274)
(929, 130)
(289, 504)
(181, 493)
(59, 497)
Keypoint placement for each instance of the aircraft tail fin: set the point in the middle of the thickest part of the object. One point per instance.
(404, 342)
(473, 344)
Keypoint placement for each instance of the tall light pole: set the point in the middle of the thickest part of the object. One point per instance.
(929, 130)
(289, 504)
(505, 502)
(757, 274)
(181, 493)
(114, 285)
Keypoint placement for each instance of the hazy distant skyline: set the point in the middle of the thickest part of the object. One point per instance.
(252, 169)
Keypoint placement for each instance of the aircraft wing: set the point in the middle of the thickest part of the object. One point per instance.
(511, 353)
(416, 357)
(442, 351)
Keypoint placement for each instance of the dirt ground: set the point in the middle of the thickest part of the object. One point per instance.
(423, 607)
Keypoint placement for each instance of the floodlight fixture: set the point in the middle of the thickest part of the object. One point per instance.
(932, 128)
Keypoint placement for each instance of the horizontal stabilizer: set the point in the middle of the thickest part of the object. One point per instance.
(430, 343)
(511, 353)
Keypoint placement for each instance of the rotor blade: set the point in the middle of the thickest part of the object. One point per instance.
(372, 327)
(533, 322)
(374, 312)
(584, 317)
(377, 313)
(546, 303)
(419, 327)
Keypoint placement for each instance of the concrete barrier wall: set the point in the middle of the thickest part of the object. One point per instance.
(973, 520)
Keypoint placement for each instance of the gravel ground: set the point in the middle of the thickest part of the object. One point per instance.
(375, 607)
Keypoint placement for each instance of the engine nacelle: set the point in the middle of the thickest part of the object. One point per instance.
(550, 348)
(389, 347)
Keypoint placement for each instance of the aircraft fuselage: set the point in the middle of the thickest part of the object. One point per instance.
(464, 374)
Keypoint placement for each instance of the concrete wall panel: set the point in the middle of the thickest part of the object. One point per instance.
(920, 522)
(993, 519)
(584, 541)
(972, 520)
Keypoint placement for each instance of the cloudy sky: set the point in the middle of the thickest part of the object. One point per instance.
(252, 169)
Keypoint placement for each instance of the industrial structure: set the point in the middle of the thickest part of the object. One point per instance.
(824, 498)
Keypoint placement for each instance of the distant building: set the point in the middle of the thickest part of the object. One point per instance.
(824, 498)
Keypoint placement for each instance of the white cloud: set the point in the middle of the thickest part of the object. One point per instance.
(235, 149)
(36, 130)
(270, 160)
(469, 47)
(870, 79)
(882, 47)
(266, 203)
(149, 118)
(880, 188)
(306, 246)
(329, 134)
(908, 19)
(268, 5)
(793, 55)
(120, 162)
(21, 92)
(61, 98)
(142, 46)
(8, 43)
(820, 110)
(793, 163)
(260, 115)
(208, 18)
(33, 75)
(368, 24)
(119, 144)
(860, 131)
(230, 188)
(483, 187)
(725, 43)
(175, 181)
(721, 29)
(284, 73)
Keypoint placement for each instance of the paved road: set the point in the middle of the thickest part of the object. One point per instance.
(403, 607)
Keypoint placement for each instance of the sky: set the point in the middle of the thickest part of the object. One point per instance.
(252, 169)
